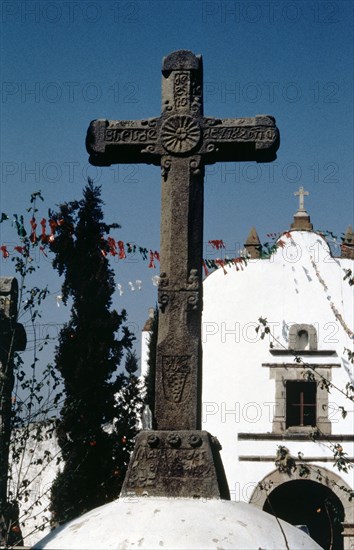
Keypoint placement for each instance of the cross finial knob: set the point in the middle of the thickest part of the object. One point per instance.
(301, 193)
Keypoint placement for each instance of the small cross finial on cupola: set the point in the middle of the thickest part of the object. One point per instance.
(301, 218)
(253, 244)
(301, 193)
(347, 248)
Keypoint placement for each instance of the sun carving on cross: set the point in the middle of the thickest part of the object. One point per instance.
(180, 134)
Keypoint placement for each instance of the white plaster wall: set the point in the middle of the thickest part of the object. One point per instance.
(34, 514)
(238, 394)
(145, 338)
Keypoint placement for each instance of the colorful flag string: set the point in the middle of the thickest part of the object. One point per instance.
(121, 250)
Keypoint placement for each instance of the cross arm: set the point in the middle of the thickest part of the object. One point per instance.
(122, 141)
(235, 139)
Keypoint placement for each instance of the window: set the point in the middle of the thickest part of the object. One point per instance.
(301, 403)
(289, 383)
(302, 340)
(302, 337)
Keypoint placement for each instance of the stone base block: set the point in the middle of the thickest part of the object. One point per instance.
(183, 463)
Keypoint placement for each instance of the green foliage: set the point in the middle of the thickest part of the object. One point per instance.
(341, 460)
(91, 346)
(349, 275)
(350, 354)
(264, 329)
(23, 426)
(284, 461)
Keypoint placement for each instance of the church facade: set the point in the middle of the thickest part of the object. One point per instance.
(277, 338)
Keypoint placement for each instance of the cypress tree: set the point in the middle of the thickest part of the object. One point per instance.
(91, 346)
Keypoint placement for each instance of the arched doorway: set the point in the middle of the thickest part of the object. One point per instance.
(306, 502)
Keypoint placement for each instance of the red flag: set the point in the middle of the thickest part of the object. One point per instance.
(122, 254)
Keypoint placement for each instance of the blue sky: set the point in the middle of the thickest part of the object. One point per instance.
(66, 63)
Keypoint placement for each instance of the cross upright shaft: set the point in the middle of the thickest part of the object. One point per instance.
(182, 141)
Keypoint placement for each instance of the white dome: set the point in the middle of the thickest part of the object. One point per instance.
(152, 523)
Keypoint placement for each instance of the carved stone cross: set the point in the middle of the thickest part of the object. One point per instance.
(301, 193)
(182, 141)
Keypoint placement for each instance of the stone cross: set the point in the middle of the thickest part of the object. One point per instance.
(182, 141)
(177, 458)
(301, 193)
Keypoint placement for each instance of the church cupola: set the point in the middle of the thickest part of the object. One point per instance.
(347, 247)
(253, 245)
(150, 321)
(302, 220)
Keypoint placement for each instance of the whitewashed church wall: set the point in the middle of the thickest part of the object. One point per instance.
(145, 339)
(300, 284)
(34, 513)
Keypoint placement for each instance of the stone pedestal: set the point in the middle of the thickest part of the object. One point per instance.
(181, 463)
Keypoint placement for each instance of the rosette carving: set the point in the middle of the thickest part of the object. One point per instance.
(180, 134)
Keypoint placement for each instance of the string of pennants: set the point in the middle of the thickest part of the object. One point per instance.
(122, 250)
(117, 248)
